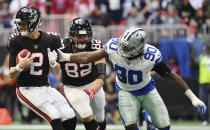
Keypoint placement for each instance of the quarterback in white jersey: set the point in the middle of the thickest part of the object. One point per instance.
(133, 61)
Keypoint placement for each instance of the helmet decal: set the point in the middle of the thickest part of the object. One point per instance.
(80, 26)
(132, 42)
(29, 15)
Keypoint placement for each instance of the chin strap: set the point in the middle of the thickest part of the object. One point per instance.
(139, 55)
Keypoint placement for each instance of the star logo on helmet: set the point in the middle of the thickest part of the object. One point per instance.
(142, 40)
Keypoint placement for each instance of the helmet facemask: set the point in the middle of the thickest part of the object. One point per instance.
(23, 33)
(81, 39)
(80, 32)
(132, 42)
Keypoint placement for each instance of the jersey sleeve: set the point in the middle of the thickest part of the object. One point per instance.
(12, 46)
(56, 41)
(96, 44)
(65, 45)
(111, 45)
(158, 57)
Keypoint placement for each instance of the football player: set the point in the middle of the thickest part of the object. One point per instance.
(133, 60)
(83, 82)
(33, 89)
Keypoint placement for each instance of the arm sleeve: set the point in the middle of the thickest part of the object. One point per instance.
(162, 69)
(101, 71)
(13, 51)
(56, 43)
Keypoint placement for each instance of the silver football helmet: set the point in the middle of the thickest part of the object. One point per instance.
(132, 42)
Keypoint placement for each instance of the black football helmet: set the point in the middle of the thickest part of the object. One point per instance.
(30, 16)
(80, 26)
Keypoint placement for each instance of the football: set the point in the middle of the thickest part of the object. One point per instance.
(22, 54)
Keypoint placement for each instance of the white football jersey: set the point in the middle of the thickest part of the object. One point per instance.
(133, 74)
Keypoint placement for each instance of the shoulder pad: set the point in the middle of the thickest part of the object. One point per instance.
(96, 44)
(65, 43)
(53, 33)
(152, 53)
(111, 45)
(11, 39)
(13, 35)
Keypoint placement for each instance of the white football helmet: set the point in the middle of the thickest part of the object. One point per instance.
(132, 42)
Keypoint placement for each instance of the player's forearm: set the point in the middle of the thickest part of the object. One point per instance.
(13, 73)
(190, 94)
(97, 84)
(55, 70)
(84, 57)
(178, 80)
(7, 80)
(80, 57)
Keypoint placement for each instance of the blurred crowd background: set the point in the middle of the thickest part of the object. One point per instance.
(179, 28)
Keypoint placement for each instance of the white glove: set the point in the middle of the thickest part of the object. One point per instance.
(197, 103)
(52, 56)
(63, 56)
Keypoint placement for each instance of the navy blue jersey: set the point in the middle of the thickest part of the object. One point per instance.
(76, 74)
(37, 75)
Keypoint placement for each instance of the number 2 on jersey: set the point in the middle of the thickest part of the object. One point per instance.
(131, 77)
(38, 63)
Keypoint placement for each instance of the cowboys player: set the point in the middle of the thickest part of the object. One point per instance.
(81, 80)
(133, 60)
(33, 89)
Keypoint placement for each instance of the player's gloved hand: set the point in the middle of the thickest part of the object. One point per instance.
(63, 56)
(52, 56)
(90, 92)
(197, 103)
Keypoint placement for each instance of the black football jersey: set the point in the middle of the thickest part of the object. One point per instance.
(76, 74)
(37, 75)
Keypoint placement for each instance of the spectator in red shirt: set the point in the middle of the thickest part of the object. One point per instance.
(61, 6)
(40, 5)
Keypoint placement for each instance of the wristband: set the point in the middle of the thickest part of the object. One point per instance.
(54, 65)
(68, 57)
(18, 68)
(190, 94)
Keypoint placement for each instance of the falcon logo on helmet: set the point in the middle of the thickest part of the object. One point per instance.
(28, 16)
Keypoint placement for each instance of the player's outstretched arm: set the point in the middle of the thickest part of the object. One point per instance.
(197, 103)
(82, 57)
(164, 70)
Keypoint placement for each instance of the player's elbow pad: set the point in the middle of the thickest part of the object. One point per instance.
(101, 71)
(162, 69)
